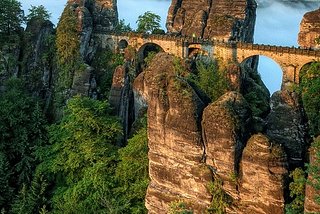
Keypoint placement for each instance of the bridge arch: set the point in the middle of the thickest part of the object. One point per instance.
(123, 44)
(146, 48)
(270, 71)
(195, 49)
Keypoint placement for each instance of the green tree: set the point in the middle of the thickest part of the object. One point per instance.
(31, 200)
(220, 199)
(38, 13)
(310, 89)
(6, 191)
(211, 80)
(122, 27)
(11, 19)
(82, 157)
(132, 171)
(148, 22)
(22, 130)
(178, 207)
(297, 192)
(68, 47)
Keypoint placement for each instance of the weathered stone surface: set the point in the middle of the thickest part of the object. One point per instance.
(309, 205)
(225, 130)
(220, 19)
(121, 98)
(286, 125)
(93, 16)
(81, 82)
(309, 29)
(176, 149)
(262, 172)
(39, 64)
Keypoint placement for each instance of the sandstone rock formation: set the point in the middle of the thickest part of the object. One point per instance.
(216, 19)
(286, 125)
(176, 148)
(38, 61)
(310, 206)
(309, 29)
(225, 130)
(93, 16)
(121, 98)
(262, 173)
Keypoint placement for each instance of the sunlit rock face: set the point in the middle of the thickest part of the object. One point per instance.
(310, 206)
(262, 171)
(216, 19)
(309, 29)
(176, 150)
(225, 129)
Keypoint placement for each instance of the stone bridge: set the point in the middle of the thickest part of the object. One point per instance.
(291, 60)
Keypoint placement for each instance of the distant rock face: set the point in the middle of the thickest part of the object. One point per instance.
(93, 16)
(175, 143)
(39, 64)
(286, 125)
(121, 98)
(309, 29)
(220, 19)
(262, 172)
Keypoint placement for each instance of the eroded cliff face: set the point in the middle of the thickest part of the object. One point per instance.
(93, 16)
(214, 19)
(174, 133)
(190, 142)
(309, 30)
(262, 172)
(310, 206)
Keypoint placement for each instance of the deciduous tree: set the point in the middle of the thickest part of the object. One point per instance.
(148, 22)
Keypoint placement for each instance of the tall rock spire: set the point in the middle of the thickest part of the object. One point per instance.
(210, 19)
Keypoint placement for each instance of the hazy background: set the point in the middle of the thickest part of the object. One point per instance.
(277, 24)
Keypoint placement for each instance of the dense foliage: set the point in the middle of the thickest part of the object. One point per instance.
(310, 90)
(22, 131)
(38, 13)
(148, 22)
(68, 47)
(297, 192)
(11, 19)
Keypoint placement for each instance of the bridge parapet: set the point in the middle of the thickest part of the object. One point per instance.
(290, 59)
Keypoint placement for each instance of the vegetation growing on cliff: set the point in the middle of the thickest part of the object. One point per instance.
(68, 46)
(22, 131)
(212, 80)
(11, 19)
(297, 192)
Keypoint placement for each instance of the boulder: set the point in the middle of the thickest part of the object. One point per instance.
(176, 149)
(287, 125)
(263, 171)
(309, 30)
(225, 131)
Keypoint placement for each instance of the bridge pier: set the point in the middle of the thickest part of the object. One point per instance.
(290, 76)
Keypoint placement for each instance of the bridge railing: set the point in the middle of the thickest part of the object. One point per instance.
(227, 44)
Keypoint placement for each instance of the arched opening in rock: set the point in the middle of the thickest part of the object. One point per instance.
(146, 49)
(122, 44)
(270, 72)
(194, 50)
